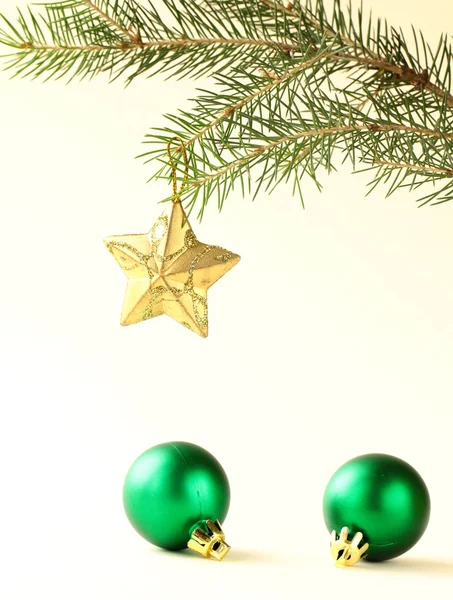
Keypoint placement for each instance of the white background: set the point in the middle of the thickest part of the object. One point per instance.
(331, 338)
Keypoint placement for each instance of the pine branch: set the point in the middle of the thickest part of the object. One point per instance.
(363, 54)
(320, 127)
(246, 162)
(329, 131)
(295, 88)
(82, 38)
(235, 107)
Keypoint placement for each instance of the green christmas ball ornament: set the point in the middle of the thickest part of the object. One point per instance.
(379, 499)
(176, 495)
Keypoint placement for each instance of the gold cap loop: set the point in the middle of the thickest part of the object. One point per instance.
(347, 553)
(211, 543)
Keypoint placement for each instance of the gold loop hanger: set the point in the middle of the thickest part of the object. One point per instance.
(176, 193)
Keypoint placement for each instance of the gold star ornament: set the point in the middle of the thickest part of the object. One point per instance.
(169, 271)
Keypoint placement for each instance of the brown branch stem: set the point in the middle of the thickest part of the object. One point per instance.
(109, 20)
(408, 75)
(409, 167)
(170, 43)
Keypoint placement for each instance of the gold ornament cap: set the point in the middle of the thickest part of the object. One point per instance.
(211, 544)
(345, 552)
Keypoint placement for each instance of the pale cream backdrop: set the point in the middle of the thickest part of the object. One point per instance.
(331, 338)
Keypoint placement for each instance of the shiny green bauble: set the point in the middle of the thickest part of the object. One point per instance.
(383, 497)
(173, 488)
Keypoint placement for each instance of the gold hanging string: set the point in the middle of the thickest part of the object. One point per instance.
(176, 193)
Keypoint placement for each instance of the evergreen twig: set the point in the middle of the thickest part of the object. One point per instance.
(294, 87)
